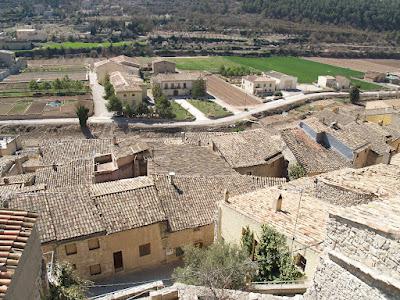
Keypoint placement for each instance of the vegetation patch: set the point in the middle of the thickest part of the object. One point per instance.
(210, 109)
(180, 113)
(211, 64)
(83, 45)
(367, 86)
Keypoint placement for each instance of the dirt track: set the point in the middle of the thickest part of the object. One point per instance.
(228, 93)
(362, 65)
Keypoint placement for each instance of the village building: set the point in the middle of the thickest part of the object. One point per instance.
(254, 152)
(300, 209)
(9, 145)
(337, 82)
(375, 76)
(259, 85)
(283, 81)
(380, 112)
(22, 275)
(128, 88)
(161, 66)
(176, 84)
(360, 259)
(112, 227)
(30, 34)
(119, 64)
(313, 157)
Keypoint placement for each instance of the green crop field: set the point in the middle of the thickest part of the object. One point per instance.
(82, 45)
(306, 71)
(210, 109)
(367, 86)
(181, 114)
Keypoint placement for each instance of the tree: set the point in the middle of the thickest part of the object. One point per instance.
(67, 285)
(156, 90)
(355, 94)
(275, 262)
(163, 107)
(142, 109)
(199, 88)
(220, 266)
(247, 241)
(82, 113)
(33, 85)
(129, 110)
(296, 171)
(114, 104)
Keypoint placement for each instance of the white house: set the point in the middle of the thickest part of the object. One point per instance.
(259, 85)
(283, 81)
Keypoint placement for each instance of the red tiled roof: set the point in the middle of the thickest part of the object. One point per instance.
(15, 230)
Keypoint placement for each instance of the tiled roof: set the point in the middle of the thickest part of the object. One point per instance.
(112, 187)
(184, 76)
(187, 160)
(64, 214)
(123, 81)
(191, 202)
(201, 138)
(258, 78)
(349, 137)
(312, 215)
(16, 228)
(276, 74)
(69, 174)
(311, 155)
(248, 148)
(328, 117)
(21, 179)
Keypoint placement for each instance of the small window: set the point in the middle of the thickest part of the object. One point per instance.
(179, 251)
(73, 266)
(94, 244)
(184, 85)
(133, 95)
(70, 249)
(300, 261)
(166, 85)
(95, 269)
(144, 249)
(124, 95)
(198, 244)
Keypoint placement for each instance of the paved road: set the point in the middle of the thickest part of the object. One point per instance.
(100, 109)
(193, 110)
(265, 107)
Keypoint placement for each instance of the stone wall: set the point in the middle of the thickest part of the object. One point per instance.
(370, 247)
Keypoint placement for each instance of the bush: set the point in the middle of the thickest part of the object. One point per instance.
(82, 113)
(296, 171)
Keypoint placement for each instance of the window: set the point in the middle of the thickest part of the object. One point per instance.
(124, 95)
(166, 85)
(179, 251)
(94, 244)
(184, 85)
(198, 244)
(144, 249)
(133, 95)
(73, 266)
(95, 269)
(118, 261)
(70, 249)
(300, 261)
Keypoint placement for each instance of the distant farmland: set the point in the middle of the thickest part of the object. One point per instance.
(82, 45)
(305, 70)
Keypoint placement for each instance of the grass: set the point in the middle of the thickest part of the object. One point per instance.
(306, 71)
(181, 114)
(367, 86)
(20, 107)
(82, 45)
(211, 64)
(210, 109)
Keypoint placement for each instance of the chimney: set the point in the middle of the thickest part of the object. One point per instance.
(277, 204)
(183, 135)
(54, 167)
(171, 176)
(6, 180)
(226, 196)
(114, 140)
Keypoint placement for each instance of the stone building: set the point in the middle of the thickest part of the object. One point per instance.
(163, 66)
(116, 64)
(300, 209)
(176, 84)
(283, 81)
(21, 275)
(30, 34)
(128, 88)
(360, 259)
(111, 227)
(337, 82)
(254, 152)
(259, 85)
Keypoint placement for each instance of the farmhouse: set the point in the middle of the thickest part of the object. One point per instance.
(283, 81)
(255, 152)
(30, 34)
(305, 225)
(128, 88)
(106, 67)
(337, 83)
(176, 84)
(259, 85)
(163, 66)
(111, 227)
